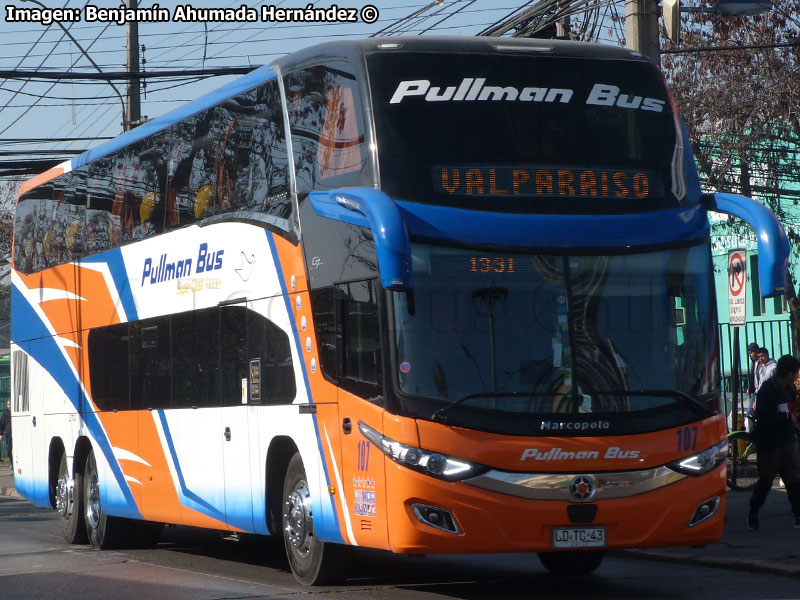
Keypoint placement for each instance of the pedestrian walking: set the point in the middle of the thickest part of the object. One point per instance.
(5, 431)
(775, 439)
(765, 370)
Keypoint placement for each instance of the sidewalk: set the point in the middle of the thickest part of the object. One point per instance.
(7, 481)
(774, 548)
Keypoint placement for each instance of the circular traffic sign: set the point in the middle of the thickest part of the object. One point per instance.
(736, 273)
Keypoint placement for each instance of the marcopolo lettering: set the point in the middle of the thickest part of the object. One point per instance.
(574, 425)
(164, 269)
(475, 89)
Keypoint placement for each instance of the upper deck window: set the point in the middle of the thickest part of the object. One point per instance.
(525, 133)
(327, 129)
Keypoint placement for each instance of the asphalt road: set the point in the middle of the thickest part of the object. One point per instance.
(36, 563)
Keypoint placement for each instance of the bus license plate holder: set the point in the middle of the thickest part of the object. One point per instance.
(579, 537)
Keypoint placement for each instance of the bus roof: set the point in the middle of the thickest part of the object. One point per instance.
(353, 50)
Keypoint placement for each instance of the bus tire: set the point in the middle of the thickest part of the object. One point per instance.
(69, 504)
(312, 561)
(104, 531)
(572, 563)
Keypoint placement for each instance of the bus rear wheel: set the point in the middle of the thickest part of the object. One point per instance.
(572, 563)
(68, 496)
(104, 531)
(313, 562)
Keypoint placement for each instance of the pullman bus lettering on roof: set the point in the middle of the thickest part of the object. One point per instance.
(365, 297)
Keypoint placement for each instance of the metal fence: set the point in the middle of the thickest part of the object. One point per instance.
(775, 335)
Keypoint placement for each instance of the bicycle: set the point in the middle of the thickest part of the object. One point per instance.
(742, 463)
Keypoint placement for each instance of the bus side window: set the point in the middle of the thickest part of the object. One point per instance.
(71, 215)
(269, 350)
(32, 211)
(102, 225)
(109, 367)
(233, 361)
(360, 351)
(261, 159)
(150, 364)
(327, 128)
(152, 184)
(328, 336)
(195, 359)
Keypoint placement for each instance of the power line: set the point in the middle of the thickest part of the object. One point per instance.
(124, 75)
(729, 48)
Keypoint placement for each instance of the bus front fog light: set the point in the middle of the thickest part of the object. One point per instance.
(704, 511)
(438, 518)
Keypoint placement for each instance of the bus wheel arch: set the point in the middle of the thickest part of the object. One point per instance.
(313, 562)
(280, 452)
(56, 454)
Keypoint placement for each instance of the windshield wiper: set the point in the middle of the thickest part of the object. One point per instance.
(688, 400)
(440, 415)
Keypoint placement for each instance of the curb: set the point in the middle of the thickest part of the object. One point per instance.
(9, 492)
(719, 562)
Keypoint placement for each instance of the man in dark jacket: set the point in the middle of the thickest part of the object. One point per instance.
(5, 430)
(775, 439)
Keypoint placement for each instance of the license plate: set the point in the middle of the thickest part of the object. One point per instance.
(579, 537)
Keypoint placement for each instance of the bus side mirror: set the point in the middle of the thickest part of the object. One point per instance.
(773, 245)
(370, 208)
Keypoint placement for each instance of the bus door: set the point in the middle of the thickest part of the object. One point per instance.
(360, 399)
(197, 412)
(235, 435)
(28, 427)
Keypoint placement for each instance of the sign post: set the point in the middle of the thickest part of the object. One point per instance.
(737, 315)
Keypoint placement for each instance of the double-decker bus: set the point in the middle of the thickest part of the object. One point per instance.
(426, 295)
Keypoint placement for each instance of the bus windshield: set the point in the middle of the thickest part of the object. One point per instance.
(525, 133)
(561, 335)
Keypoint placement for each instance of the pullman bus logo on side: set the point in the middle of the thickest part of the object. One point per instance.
(167, 270)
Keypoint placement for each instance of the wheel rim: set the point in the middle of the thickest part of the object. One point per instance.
(93, 502)
(298, 523)
(64, 495)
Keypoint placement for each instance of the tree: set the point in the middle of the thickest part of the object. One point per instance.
(8, 195)
(742, 111)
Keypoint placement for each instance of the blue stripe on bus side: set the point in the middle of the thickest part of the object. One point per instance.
(119, 274)
(330, 531)
(45, 350)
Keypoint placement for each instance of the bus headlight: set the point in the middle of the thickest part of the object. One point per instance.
(424, 461)
(702, 462)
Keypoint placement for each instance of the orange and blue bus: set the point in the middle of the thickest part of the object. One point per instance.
(426, 295)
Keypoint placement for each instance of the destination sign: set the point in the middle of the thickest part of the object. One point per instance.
(544, 182)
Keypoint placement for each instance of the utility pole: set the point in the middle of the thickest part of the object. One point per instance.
(562, 26)
(641, 28)
(134, 83)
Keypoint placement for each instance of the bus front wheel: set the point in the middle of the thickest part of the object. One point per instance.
(313, 562)
(69, 504)
(572, 563)
(104, 531)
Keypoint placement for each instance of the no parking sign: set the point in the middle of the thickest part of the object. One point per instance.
(737, 287)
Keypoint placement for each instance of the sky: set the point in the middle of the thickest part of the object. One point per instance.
(90, 110)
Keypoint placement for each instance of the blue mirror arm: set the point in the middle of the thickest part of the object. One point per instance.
(773, 245)
(370, 208)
